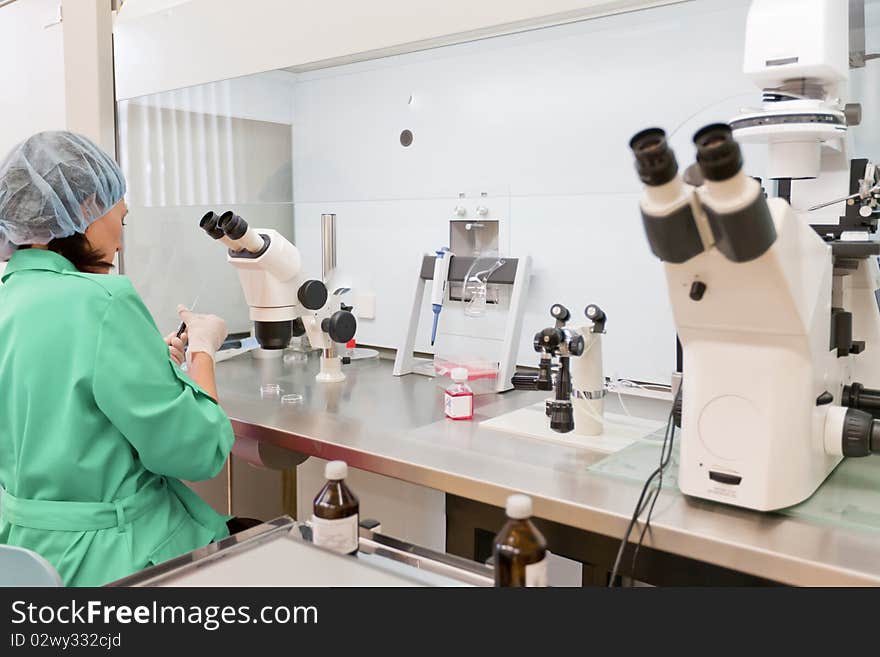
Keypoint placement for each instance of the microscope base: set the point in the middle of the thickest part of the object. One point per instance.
(619, 431)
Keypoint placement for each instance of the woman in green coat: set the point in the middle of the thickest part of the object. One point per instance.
(98, 424)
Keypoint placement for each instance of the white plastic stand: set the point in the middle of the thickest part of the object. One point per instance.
(515, 272)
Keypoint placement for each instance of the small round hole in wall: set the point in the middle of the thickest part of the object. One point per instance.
(406, 138)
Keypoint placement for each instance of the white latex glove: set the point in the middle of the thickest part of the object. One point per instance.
(206, 332)
(176, 346)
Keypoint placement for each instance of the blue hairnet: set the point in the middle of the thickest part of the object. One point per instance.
(54, 184)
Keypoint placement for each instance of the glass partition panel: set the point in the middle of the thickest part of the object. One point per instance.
(222, 146)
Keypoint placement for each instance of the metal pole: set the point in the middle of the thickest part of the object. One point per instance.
(328, 255)
(856, 33)
(328, 243)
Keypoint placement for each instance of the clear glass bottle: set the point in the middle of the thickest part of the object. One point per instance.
(520, 551)
(458, 399)
(335, 512)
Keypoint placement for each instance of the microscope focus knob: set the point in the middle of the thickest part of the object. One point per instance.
(549, 339)
(340, 326)
(861, 433)
(561, 416)
(576, 345)
(312, 295)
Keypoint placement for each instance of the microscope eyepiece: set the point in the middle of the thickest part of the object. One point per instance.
(208, 223)
(655, 161)
(718, 153)
(232, 225)
(237, 231)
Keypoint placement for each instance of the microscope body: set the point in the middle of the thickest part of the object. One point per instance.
(270, 279)
(767, 406)
(588, 380)
(756, 348)
(283, 303)
(276, 290)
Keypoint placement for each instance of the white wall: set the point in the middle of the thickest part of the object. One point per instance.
(31, 70)
(540, 120)
(165, 44)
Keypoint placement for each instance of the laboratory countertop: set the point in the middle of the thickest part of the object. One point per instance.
(395, 426)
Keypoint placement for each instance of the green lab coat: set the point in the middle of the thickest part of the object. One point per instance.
(97, 426)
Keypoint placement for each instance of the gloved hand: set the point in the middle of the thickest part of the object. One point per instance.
(176, 346)
(206, 332)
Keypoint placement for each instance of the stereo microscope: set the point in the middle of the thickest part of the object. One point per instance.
(283, 302)
(579, 387)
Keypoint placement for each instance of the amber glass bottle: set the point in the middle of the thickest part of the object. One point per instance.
(520, 550)
(335, 512)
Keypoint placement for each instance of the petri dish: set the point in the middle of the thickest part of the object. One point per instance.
(268, 390)
(291, 399)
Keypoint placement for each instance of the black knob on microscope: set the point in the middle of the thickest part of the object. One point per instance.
(861, 433)
(312, 295)
(596, 315)
(559, 312)
(561, 416)
(549, 339)
(576, 345)
(340, 326)
(524, 381)
(698, 289)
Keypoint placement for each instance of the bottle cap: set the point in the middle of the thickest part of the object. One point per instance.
(459, 374)
(336, 470)
(519, 507)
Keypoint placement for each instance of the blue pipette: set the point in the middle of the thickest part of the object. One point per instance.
(441, 276)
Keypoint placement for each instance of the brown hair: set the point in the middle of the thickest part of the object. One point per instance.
(77, 249)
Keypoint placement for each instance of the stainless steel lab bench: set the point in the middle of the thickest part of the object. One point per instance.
(394, 426)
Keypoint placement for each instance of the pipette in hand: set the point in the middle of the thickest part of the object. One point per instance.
(182, 326)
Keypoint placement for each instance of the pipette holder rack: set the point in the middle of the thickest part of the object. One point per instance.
(515, 272)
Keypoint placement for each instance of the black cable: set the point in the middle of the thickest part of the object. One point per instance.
(664, 462)
(643, 502)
